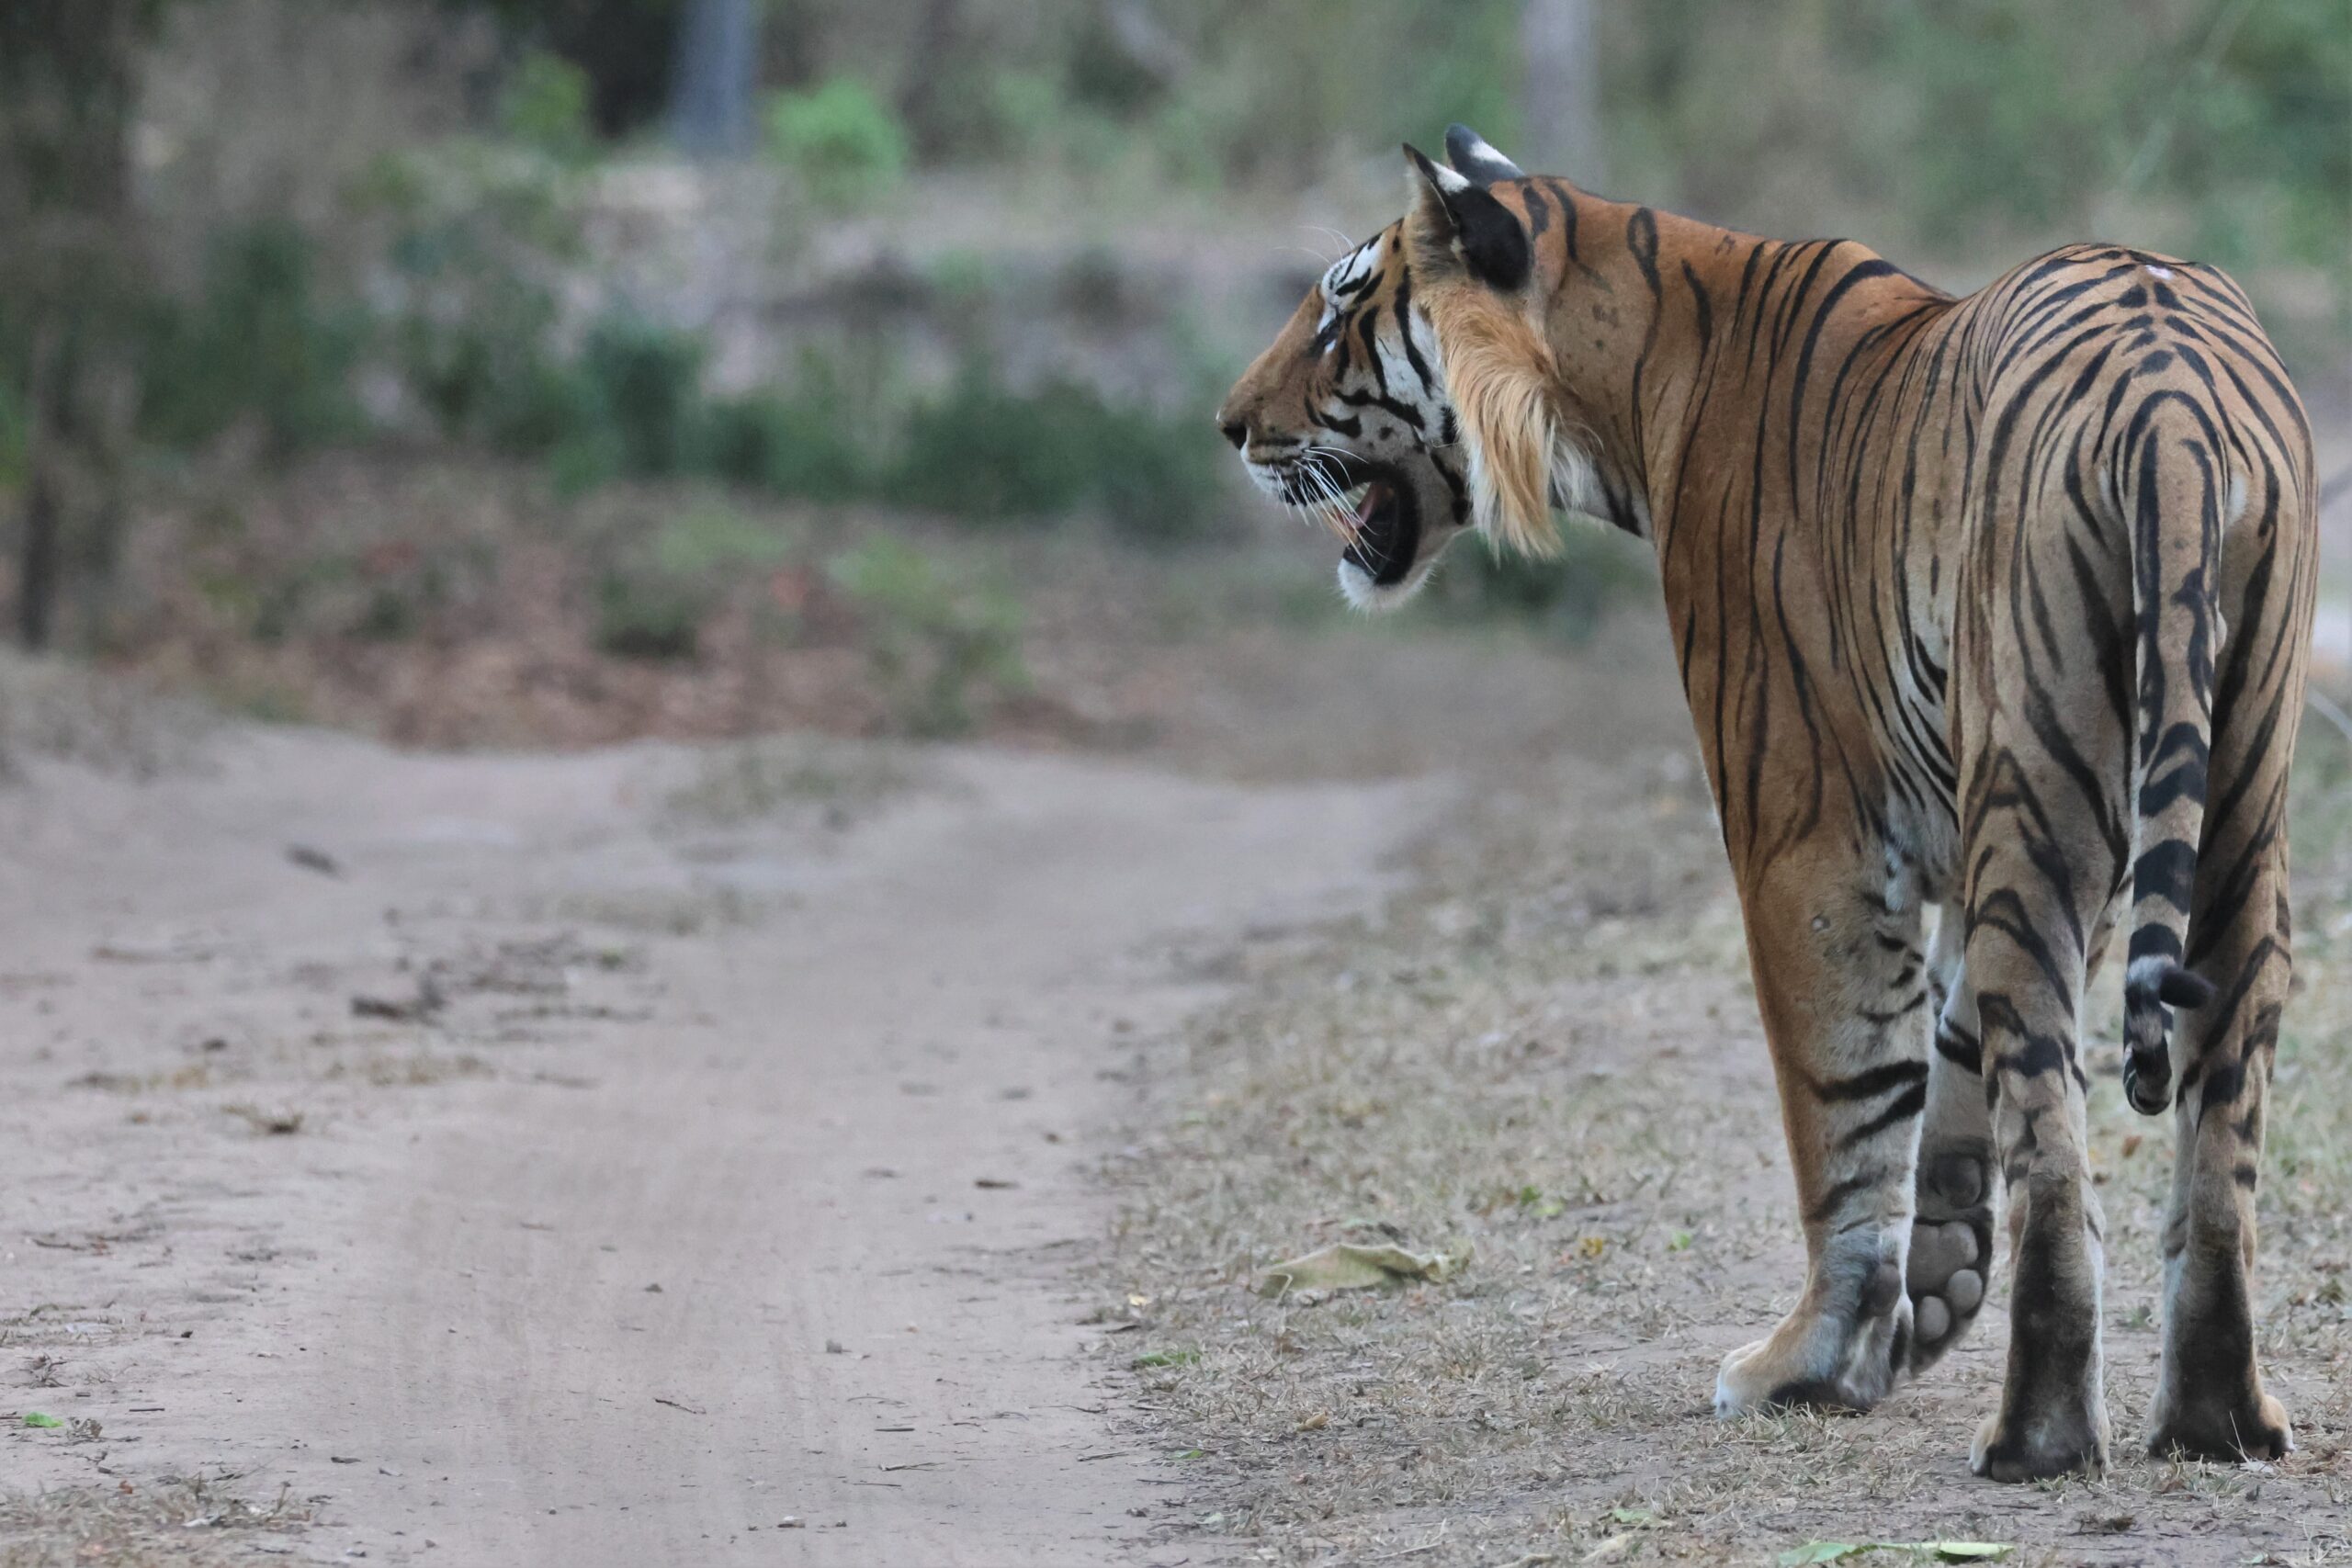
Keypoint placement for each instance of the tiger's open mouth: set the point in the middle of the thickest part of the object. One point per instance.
(1377, 514)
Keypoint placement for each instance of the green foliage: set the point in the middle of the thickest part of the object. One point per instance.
(651, 602)
(1025, 105)
(1273, 89)
(1154, 478)
(465, 205)
(649, 616)
(983, 451)
(257, 340)
(642, 384)
(2270, 127)
(840, 138)
(476, 232)
(1596, 570)
(940, 645)
(715, 543)
(489, 375)
(13, 432)
(621, 47)
(799, 443)
(1993, 88)
(1977, 128)
(544, 106)
(975, 449)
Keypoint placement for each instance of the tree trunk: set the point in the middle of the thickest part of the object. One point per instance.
(1560, 92)
(717, 66)
(931, 64)
(37, 563)
(48, 430)
(70, 266)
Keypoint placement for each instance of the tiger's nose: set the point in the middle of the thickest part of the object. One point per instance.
(1235, 431)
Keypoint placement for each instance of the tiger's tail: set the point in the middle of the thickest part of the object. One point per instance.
(2176, 497)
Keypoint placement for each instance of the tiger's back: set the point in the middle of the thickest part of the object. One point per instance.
(1865, 456)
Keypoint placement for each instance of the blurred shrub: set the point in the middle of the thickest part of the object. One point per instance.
(940, 645)
(544, 106)
(386, 615)
(14, 431)
(1599, 570)
(715, 544)
(1268, 92)
(477, 234)
(2218, 130)
(257, 341)
(808, 441)
(981, 450)
(642, 391)
(622, 47)
(466, 205)
(1025, 105)
(841, 139)
(656, 592)
(1156, 480)
(489, 375)
(650, 615)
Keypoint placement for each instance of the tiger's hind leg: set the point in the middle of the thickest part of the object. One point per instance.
(1952, 1236)
(2210, 1400)
(2037, 880)
(1950, 1261)
(1843, 988)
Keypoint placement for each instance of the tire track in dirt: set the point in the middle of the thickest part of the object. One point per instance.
(693, 1191)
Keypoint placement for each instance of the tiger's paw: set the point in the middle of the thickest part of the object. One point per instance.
(2196, 1430)
(2053, 1438)
(1822, 1360)
(1951, 1251)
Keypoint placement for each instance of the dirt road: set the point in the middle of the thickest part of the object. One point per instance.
(639, 1156)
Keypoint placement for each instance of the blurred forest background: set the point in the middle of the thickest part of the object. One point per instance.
(565, 370)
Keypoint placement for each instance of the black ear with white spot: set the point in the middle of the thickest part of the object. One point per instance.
(1477, 158)
(1488, 238)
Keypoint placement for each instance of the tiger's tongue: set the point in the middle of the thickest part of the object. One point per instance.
(1374, 494)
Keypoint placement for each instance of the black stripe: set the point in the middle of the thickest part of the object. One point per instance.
(1873, 1081)
(1903, 1109)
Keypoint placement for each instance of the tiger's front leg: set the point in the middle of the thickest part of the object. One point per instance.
(1843, 987)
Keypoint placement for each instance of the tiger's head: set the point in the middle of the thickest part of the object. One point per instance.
(1351, 414)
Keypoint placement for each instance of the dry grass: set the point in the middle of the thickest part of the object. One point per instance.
(838, 782)
(1548, 1052)
(51, 709)
(184, 1524)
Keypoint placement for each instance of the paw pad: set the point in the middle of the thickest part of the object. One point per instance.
(1945, 1273)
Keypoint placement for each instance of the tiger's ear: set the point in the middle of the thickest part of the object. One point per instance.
(1480, 229)
(1476, 157)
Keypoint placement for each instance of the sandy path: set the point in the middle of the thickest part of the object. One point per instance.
(822, 1087)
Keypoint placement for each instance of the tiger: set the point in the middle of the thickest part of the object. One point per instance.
(1993, 615)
